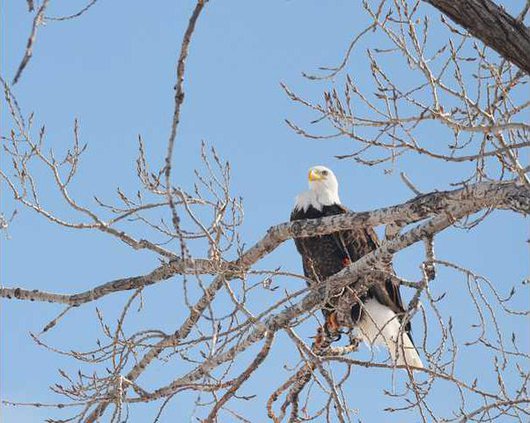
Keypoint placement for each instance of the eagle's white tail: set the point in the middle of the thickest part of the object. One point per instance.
(379, 325)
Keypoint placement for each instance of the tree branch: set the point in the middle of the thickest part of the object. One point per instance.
(501, 195)
(39, 17)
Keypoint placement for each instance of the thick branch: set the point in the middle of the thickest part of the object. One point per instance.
(493, 26)
(159, 274)
(501, 195)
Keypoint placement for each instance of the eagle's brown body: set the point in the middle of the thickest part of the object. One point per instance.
(325, 255)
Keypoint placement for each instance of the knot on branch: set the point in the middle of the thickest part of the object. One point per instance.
(296, 229)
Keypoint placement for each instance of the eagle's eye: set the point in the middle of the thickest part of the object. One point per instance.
(325, 172)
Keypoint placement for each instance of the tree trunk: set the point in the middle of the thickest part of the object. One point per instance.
(492, 25)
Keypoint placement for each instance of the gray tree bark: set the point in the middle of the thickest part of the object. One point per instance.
(492, 25)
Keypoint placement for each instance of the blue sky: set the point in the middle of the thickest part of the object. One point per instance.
(114, 69)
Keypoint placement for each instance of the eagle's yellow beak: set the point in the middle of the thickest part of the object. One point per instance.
(314, 175)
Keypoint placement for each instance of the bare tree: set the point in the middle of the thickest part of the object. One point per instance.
(468, 95)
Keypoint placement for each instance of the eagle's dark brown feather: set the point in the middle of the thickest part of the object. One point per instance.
(324, 255)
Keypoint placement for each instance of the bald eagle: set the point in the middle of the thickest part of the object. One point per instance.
(377, 316)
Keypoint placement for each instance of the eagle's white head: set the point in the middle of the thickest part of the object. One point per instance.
(323, 190)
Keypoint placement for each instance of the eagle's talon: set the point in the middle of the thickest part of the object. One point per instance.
(335, 338)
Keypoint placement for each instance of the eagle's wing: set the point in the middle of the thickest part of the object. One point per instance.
(300, 243)
(361, 241)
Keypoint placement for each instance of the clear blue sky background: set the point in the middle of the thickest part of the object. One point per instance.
(114, 70)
